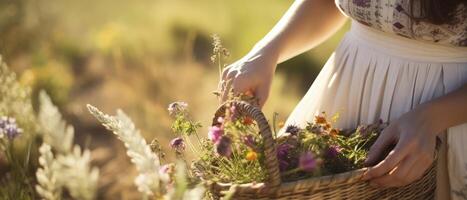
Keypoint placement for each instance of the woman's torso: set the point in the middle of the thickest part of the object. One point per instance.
(393, 16)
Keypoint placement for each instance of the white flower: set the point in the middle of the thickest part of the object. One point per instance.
(56, 132)
(146, 162)
(77, 175)
(72, 168)
(48, 187)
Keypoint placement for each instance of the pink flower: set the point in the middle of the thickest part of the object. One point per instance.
(233, 109)
(307, 162)
(232, 114)
(167, 169)
(215, 133)
(220, 120)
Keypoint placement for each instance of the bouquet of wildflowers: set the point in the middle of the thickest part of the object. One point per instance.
(233, 150)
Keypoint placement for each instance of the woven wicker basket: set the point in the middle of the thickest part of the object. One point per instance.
(346, 185)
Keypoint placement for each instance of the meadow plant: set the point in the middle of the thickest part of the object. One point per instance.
(55, 130)
(18, 130)
(67, 170)
(159, 182)
(75, 166)
(69, 163)
(15, 100)
(48, 186)
(146, 162)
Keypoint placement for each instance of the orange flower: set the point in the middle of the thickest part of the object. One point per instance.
(248, 121)
(320, 119)
(251, 156)
(334, 132)
(249, 93)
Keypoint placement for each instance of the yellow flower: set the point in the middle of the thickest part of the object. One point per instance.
(281, 124)
(251, 156)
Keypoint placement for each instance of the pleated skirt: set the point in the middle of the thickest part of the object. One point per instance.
(374, 75)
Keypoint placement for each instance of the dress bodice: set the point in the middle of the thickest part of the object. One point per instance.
(392, 16)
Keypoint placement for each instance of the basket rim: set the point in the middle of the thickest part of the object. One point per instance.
(319, 181)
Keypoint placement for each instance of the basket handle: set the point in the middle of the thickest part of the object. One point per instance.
(246, 109)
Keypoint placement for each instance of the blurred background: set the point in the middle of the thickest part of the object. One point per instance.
(140, 56)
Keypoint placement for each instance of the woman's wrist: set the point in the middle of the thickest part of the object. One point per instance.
(270, 52)
(448, 110)
(436, 118)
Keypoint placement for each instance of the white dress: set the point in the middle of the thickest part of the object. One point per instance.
(377, 72)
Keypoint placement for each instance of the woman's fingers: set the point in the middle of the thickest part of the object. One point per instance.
(389, 163)
(399, 176)
(381, 144)
(234, 84)
(226, 87)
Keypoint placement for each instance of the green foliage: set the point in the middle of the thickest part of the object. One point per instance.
(184, 126)
(18, 182)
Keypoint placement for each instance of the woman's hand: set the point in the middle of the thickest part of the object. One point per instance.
(414, 136)
(302, 27)
(251, 74)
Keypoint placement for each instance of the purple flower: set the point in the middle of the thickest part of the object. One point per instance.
(177, 107)
(215, 133)
(223, 147)
(307, 162)
(333, 151)
(283, 156)
(178, 144)
(292, 129)
(9, 128)
(249, 141)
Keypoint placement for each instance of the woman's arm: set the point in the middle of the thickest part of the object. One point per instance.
(415, 136)
(305, 25)
(449, 110)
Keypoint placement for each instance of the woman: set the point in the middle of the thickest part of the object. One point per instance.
(403, 61)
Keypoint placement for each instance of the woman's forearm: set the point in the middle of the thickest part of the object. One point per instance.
(449, 110)
(306, 24)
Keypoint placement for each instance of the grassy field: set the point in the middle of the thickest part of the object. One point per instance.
(140, 56)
